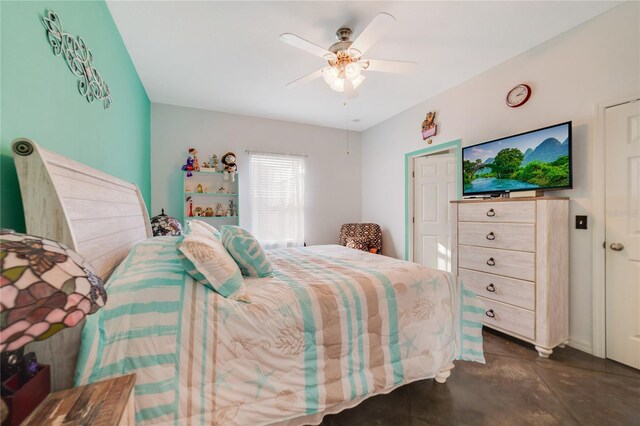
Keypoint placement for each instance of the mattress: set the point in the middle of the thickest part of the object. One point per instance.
(332, 327)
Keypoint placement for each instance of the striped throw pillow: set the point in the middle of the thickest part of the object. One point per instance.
(207, 261)
(246, 251)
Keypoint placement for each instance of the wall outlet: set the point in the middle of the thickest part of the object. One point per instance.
(581, 222)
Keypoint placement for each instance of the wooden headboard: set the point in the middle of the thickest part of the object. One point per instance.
(96, 214)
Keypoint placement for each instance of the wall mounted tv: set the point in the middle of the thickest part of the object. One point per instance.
(533, 161)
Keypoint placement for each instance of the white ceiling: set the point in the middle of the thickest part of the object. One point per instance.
(226, 56)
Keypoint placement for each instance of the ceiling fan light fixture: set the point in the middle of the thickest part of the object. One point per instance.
(329, 75)
(338, 85)
(352, 70)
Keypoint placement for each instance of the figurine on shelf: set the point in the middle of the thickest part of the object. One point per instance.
(232, 208)
(188, 165)
(214, 161)
(196, 164)
(230, 168)
(208, 212)
(220, 210)
(222, 190)
(190, 201)
(206, 165)
(198, 211)
(199, 189)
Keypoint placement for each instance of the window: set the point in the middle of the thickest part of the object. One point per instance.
(277, 199)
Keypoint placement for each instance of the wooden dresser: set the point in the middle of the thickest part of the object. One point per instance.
(514, 254)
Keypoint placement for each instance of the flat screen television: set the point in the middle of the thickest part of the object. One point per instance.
(537, 160)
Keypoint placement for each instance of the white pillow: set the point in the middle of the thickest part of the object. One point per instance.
(207, 261)
(199, 225)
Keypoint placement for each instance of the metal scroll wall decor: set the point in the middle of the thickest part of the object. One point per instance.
(79, 59)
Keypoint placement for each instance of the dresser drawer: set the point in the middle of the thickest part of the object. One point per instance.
(509, 318)
(514, 264)
(509, 236)
(508, 290)
(498, 211)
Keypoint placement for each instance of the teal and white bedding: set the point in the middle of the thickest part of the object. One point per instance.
(332, 327)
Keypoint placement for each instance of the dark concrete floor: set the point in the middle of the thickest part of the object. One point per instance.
(515, 387)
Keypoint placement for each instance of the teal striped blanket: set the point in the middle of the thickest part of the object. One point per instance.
(331, 328)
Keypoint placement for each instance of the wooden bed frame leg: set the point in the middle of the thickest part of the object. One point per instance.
(443, 375)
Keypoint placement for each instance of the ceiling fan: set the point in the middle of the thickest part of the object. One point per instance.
(345, 61)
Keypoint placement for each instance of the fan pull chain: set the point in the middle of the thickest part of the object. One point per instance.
(346, 104)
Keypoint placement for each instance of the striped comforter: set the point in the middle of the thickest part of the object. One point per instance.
(334, 326)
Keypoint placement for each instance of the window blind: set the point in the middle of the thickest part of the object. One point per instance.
(277, 199)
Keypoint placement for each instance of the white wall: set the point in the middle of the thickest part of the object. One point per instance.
(597, 62)
(333, 178)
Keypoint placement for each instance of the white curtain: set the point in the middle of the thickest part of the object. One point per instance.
(277, 199)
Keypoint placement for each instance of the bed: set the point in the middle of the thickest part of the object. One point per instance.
(333, 327)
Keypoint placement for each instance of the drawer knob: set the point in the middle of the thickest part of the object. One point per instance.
(491, 288)
(491, 213)
(490, 313)
(491, 262)
(491, 236)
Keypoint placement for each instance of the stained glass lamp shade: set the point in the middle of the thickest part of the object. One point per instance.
(165, 225)
(44, 288)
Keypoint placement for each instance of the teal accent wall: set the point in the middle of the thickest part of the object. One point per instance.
(39, 98)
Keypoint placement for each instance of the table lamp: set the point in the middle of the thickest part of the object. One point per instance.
(44, 287)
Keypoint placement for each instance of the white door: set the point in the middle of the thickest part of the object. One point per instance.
(435, 184)
(623, 233)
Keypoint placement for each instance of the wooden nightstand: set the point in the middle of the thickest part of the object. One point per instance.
(106, 403)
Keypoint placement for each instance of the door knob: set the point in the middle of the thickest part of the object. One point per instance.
(617, 246)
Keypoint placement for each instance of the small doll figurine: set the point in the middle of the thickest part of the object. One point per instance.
(208, 212)
(214, 161)
(219, 210)
(196, 164)
(230, 168)
(199, 188)
(232, 208)
(188, 165)
(190, 201)
(198, 211)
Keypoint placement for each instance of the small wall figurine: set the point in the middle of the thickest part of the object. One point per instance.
(208, 212)
(230, 168)
(196, 164)
(190, 201)
(198, 211)
(429, 128)
(199, 189)
(220, 210)
(232, 208)
(188, 165)
(214, 162)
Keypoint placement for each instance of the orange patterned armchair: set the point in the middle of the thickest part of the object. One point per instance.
(361, 236)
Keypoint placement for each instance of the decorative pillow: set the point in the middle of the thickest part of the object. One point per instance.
(358, 243)
(204, 226)
(207, 261)
(246, 251)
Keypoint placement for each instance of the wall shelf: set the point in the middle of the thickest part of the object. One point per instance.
(218, 202)
(211, 194)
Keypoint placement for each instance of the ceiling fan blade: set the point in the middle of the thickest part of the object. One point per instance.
(380, 24)
(305, 45)
(398, 67)
(305, 79)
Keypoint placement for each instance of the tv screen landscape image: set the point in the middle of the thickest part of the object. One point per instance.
(535, 160)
